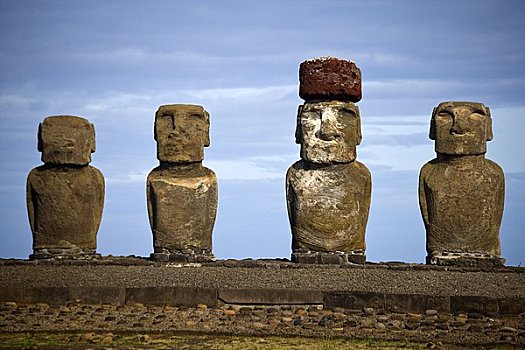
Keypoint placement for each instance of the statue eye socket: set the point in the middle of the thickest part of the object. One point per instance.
(444, 115)
(349, 112)
(311, 114)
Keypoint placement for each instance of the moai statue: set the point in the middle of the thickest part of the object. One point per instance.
(461, 193)
(65, 196)
(182, 194)
(328, 190)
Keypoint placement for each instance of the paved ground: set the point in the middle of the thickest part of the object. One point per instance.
(100, 323)
(396, 278)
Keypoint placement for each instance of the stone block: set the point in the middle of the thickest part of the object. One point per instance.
(474, 304)
(270, 296)
(331, 259)
(329, 78)
(407, 302)
(305, 258)
(416, 303)
(439, 303)
(33, 295)
(180, 296)
(328, 258)
(354, 300)
(511, 306)
(462, 260)
(356, 258)
(98, 295)
(64, 295)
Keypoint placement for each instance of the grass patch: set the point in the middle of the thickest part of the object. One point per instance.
(189, 342)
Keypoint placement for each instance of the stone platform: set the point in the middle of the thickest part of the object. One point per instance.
(458, 305)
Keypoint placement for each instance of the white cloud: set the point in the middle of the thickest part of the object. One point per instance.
(244, 169)
(410, 88)
(506, 148)
(267, 92)
(117, 101)
(137, 55)
(396, 157)
(393, 129)
(264, 167)
(15, 101)
(132, 177)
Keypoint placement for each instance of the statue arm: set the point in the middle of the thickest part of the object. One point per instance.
(501, 199)
(422, 194)
(29, 202)
(101, 190)
(368, 196)
(149, 198)
(288, 194)
(500, 202)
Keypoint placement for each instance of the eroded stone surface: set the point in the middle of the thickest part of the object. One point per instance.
(328, 206)
(181, 132)
(182, 205)
(65, 206)
(65, 196)
(329, 78)
(328, 132)
(461, 128)
(181, 193)
(461, 193)
(66, 140)
(328, 191)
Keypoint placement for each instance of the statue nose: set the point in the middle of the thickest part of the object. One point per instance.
(328, 130)
(460, 125)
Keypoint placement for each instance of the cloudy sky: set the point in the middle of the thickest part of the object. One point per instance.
(114, 62)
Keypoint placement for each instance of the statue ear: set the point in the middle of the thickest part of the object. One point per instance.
(298, 128)
(488, 131)
(432, 132)
(359, 134)
(207, 130)
(92, 137)
(40, 145)
(155, 126)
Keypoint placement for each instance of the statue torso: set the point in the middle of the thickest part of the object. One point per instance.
(328, 206)
(182, 208)
(464, 200)
(66, 204)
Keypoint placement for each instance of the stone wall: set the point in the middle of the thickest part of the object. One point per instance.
(383, 301)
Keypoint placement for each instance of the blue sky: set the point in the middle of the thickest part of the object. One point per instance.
(115, 62)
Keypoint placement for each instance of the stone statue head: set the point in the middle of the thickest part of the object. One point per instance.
(461, 128)
(181, 132)
(328, 132)
(66, 139)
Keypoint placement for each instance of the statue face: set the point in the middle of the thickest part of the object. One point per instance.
(461, 128)
(66, 140)
(328, 131)
(181, 132)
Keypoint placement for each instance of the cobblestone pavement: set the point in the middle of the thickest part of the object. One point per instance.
(99, 323)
